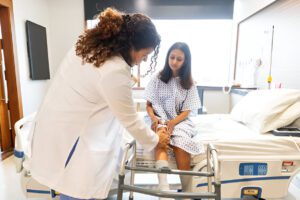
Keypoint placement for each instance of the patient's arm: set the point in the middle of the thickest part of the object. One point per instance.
(182, 116)
(153, 117)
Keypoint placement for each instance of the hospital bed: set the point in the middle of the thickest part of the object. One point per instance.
(249, 163)
(252, 162)
(239, 162)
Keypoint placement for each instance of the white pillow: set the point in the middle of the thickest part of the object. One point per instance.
(282, 119)
(259, 108)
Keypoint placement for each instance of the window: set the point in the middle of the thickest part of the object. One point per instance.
(209, 42)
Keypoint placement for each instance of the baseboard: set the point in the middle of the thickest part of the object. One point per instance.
(6, 154)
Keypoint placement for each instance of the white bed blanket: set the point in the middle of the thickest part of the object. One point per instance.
(234, 140)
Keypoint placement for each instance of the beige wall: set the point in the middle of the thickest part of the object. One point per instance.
(67, 23)
(36, 11)
(246, 8)
(64, 21)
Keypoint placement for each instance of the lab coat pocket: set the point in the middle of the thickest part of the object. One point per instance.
(71, 153)
(89, 171)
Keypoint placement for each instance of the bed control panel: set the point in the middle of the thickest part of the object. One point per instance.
(245, 175)
(251, 192)
(288, 166)
(253, 169)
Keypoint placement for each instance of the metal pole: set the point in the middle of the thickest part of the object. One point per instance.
(120, 187)
(218, 191)
(270, 70)
(122, 170)
(133, 164)
(209, 181)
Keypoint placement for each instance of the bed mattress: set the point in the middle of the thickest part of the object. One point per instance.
(233, 140)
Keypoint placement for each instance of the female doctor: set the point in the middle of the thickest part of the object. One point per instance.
(76, 139)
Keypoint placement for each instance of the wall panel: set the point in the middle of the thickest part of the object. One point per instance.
(254, 43)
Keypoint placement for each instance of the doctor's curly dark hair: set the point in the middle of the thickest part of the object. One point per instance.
(117, 34)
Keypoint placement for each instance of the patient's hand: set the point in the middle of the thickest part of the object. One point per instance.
(170, 125)
(164, 139)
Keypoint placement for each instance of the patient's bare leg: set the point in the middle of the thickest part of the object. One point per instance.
(183, 161)
(161, 153)
(161, 157)
(183, 158)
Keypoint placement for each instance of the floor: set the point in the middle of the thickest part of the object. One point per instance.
(10, 186)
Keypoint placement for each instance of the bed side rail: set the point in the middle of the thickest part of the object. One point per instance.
(125, 159)
(213, 167)
(20, 144)
(129, 163)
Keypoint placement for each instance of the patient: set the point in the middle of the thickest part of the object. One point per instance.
(171, 96)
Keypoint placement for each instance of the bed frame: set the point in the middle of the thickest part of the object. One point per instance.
(129, 164)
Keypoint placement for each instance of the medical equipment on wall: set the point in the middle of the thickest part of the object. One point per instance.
(269, 79)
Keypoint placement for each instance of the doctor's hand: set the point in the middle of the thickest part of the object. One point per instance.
(154, 123)
(164, 139)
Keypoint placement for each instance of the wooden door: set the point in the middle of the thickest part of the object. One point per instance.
(12, 98)
(5, 129)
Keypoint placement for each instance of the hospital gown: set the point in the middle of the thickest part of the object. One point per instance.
(168, 101)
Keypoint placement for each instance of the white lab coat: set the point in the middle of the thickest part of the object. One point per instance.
(94, 105)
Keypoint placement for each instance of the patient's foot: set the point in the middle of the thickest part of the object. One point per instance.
(163, 185)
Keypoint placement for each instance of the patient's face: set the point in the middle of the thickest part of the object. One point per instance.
(176, 60)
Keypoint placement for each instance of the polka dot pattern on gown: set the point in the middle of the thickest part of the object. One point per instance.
(168, 101)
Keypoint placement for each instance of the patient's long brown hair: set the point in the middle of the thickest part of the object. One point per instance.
(185, 72)
(117, 34)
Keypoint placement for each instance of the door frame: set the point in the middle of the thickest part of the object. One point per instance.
(12, 74)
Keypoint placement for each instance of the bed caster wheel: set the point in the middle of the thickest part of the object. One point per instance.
(130, 198)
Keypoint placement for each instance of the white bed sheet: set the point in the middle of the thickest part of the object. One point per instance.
(234, 140)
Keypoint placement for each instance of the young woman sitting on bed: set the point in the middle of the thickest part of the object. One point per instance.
(171, 96)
